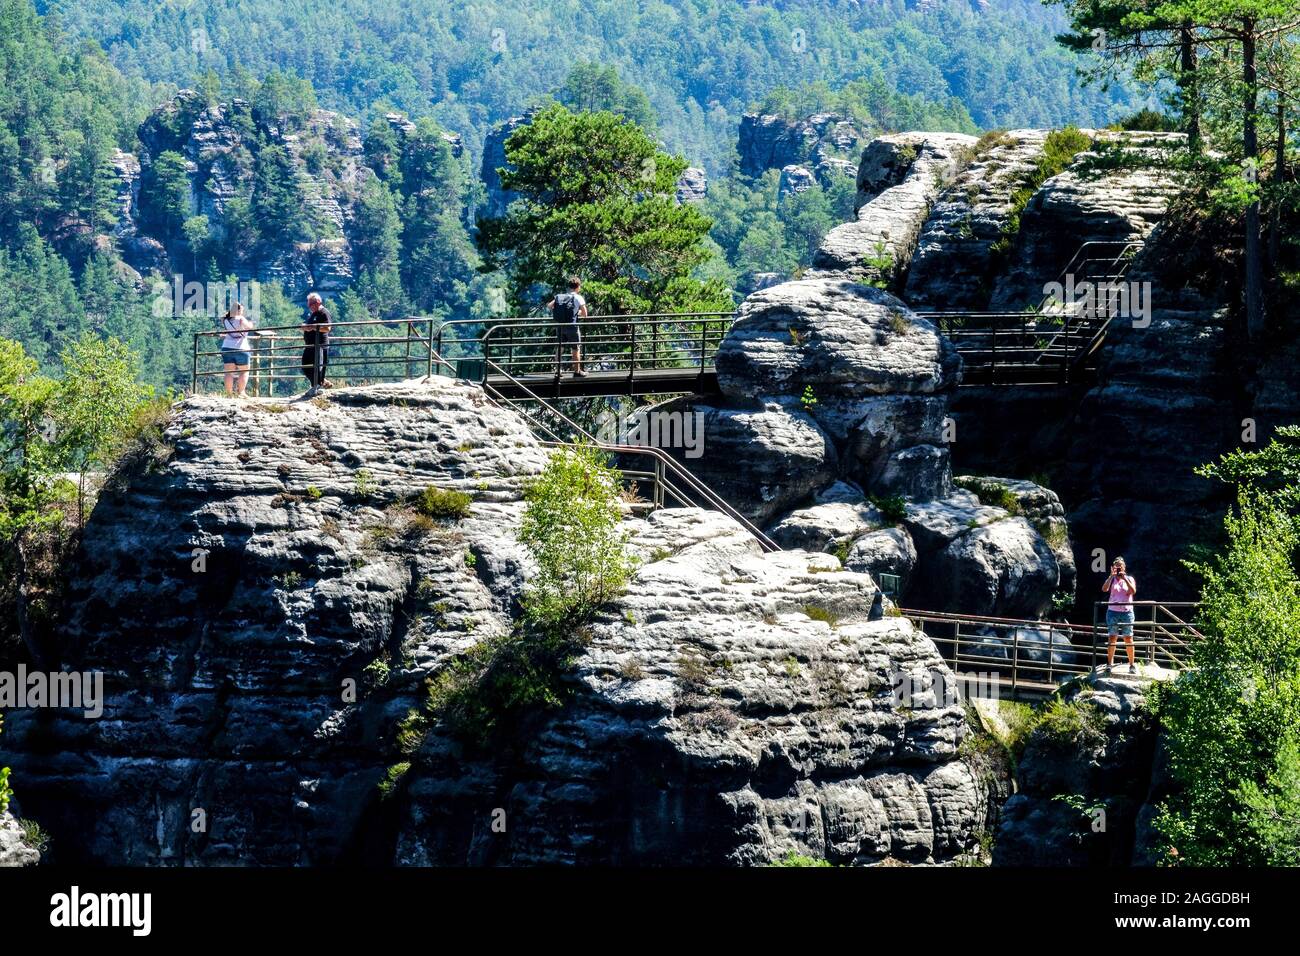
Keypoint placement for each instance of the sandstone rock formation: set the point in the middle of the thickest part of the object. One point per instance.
(954, 262)
(842, 379)
(979, 559)
(795, 179)
(692, 185)
(220, 144)
(1088, 799)
(899, 178)
(1117, 191)
(825, 142)
(265, 607)
(14, 850)
(494, 158)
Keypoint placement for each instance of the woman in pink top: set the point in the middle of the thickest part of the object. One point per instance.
(1119, 612)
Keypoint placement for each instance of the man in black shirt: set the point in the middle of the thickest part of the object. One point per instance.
(316, 333)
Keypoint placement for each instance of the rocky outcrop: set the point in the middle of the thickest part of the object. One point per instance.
(718, 724)
(1161, 407)
(840, 516)
(979, 559)
(762, 458)
(826, 143)
(494, 159)
(1087, 790)
(266, 607)
(823, 378)
(899, 178)
(836, 337)
(957, 253)
(795, 179)
(221, 144)
(1117, 191)
(14, 849)
(692, 185)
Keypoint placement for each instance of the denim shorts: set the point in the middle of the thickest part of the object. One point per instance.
(569, 333)
(239, 357)
(1119, 622)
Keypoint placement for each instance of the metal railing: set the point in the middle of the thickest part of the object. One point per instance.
(1051, 344)
(1033, 657)
(672, 481)
(613, 346)
(357, 353)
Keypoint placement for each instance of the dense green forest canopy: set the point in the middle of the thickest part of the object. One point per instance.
(702, 63)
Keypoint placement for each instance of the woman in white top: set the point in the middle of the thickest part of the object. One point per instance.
(235, 354)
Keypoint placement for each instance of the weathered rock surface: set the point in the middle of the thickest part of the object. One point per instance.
(899, 178)
(14, 850)
(494, 158)
(762, 458)
(1043, 509)
(1109, 778)
(717, 723)
(1092, 200)
(692, 185)
(236, 580)
(887, 551)
(978, 559)
(1162, 407)
(953, 266)
(835, 336)
(795, 179)
(827, 524)
(824, 142)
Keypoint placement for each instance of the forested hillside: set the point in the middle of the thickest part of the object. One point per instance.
(702, 63)
(337, 145)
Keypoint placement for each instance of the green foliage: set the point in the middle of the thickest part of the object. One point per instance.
(759, 230)
(990, 492)
(596, 87)
(1232, 720)
(48, 426)
(393, 778)
(797, 859)
(818, 613)
(483, 694)
(872, 102)
(6, 791)
(571, 526)
(1070, 724)
(597, 199)
(1149, 119)
(444, 503)
(892, 507)
(1273, 470)
(1059, 149)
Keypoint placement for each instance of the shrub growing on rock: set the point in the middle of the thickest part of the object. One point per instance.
(571, 526)
(443, 503)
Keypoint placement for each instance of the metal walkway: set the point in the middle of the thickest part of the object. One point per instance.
(671, 353)
(1026, 658)
(1055, 343)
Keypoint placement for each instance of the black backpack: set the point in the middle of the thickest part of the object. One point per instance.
(566, 308)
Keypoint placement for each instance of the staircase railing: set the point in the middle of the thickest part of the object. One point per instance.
(1051, 344)
(675, 481)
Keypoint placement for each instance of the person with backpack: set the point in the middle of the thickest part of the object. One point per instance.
(566, 309)
(316, 336)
